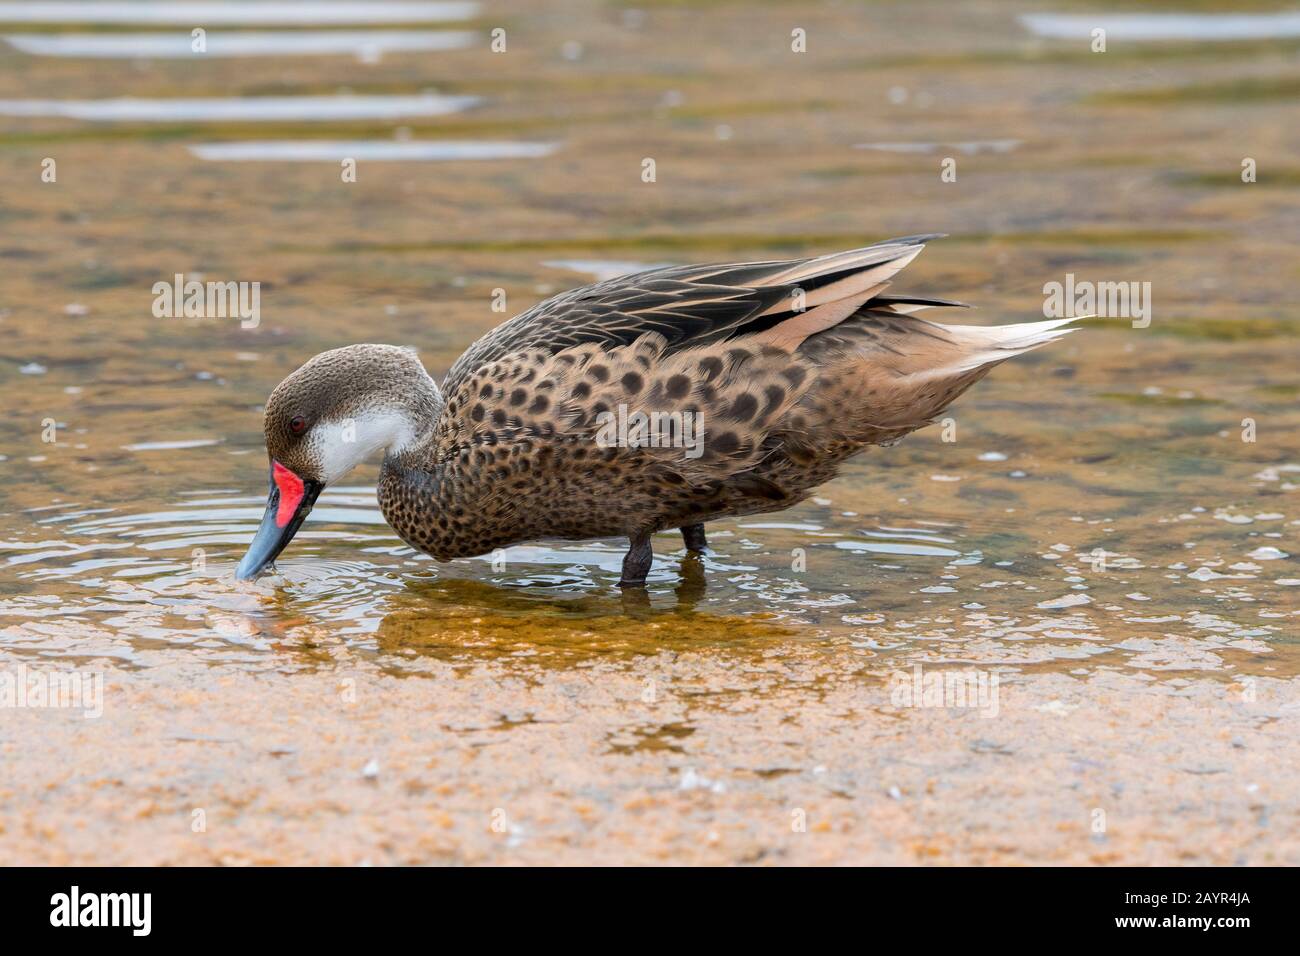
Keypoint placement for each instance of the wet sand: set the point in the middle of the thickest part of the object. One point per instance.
(507, 764)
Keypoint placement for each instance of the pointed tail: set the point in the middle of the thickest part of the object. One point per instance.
(978, 346)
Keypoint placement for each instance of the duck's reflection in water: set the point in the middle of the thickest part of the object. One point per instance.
(458, 619)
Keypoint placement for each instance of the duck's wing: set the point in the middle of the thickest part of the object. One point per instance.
(696, 305)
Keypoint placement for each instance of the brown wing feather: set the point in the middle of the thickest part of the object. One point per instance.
(688, 306)
(791, 367)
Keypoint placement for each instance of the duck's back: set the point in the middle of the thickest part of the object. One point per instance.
(685, 394)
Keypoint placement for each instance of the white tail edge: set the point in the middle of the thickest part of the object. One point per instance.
(991, 344)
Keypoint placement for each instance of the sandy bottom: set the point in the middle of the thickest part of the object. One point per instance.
(795, 755)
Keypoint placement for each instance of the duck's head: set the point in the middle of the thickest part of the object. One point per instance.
(324, 420)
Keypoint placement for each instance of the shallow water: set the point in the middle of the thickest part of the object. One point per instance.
(1098, 507)
(1117, 510)
(1016, 546)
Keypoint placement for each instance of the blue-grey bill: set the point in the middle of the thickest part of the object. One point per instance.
(271, 538)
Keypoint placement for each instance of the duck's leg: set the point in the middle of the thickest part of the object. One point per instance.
(637, 561)
(693, 535)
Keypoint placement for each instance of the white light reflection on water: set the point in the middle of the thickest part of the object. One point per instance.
(367, 44)
(1165, 26)
(242, 109)
(235, 13)
(333, 151)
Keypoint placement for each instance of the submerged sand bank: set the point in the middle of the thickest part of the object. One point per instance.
(788, 756)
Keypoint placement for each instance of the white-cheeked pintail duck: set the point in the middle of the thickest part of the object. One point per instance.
(658, 400)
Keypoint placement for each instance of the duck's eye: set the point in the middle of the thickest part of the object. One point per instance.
(297, 424)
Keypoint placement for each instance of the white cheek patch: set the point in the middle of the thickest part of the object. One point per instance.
(339, 445)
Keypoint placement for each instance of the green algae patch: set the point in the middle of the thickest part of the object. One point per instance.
(1272, 176)
(1224, 329)
(1241, 90)
(1156, 400)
